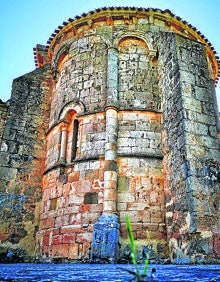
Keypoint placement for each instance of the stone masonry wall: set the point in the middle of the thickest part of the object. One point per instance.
(138, 78)
(73, 189)
(72, 203)
(121, 121)
(190, 140)
(140, 181)
(22, 159)
(3, 117)
(82, 76)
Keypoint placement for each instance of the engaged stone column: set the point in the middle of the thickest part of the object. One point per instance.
(63, 143)
(112, 77)
(110, 175)
(106, 230)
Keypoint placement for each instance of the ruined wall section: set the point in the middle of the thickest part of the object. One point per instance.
(3, 118)
(190, 140)
(22, 158)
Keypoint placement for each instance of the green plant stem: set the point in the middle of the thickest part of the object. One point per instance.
(133, 252)
(146, 265)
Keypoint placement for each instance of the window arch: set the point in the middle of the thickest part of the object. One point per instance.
(59, 59)
(137, 76)
(70, 131)
(72, 135)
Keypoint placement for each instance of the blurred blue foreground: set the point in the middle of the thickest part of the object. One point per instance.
(105, 272)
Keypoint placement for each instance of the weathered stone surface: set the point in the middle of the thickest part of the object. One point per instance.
(22, 157)
(119, 118)
(105, 240)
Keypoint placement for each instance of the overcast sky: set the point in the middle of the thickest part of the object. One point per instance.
(25, 23)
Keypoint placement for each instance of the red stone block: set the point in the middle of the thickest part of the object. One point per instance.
(47, 223)
(66, 189)
(57, 239)
(71, 210)
(69, 238)
(46, 240)
(157, 217)
(88, 218)
(123, 231)
(55, 231)
(150, 226)
(46, 194)
(96, 208)
(46, 251)
(157, 235)
(85, 250)
(46, 232)
(84, 208)
(144, 215)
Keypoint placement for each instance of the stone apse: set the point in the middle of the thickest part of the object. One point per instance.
(119, 118)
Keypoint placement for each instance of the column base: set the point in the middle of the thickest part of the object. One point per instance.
(105, 240)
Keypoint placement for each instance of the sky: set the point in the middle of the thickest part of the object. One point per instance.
(25, 23)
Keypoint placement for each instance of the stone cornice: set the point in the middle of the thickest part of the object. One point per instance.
(130, 15)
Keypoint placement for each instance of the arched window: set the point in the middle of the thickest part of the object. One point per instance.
(70, 131)
(74, 139)
(72, 135)
(137, 76)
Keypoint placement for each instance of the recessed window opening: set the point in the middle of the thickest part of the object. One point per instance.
(91, 198)
(74, 140)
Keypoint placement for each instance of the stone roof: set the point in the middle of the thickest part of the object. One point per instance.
(171, 21)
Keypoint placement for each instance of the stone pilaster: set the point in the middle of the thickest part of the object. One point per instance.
(112, 77)
(106, 230)
(110, 174)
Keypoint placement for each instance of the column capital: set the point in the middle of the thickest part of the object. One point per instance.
(112, 48)
(112, 107)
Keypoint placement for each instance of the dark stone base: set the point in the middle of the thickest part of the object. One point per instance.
(105, 239)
